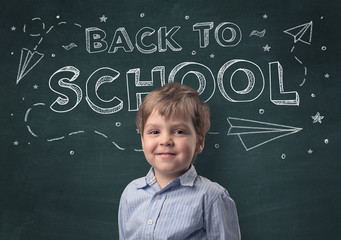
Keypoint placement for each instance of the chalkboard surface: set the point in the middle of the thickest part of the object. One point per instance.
(73, 74)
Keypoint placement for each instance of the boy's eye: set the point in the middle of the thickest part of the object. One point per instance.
(179, 131)
(153, 132)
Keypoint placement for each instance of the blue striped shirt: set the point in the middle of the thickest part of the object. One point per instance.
(190, 207)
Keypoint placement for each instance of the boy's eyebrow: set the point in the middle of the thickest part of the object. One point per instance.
(177, 124)
(151, 125)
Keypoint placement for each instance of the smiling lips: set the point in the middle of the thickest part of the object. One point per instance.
(165, 154)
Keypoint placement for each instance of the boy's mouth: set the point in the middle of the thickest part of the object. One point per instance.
(166, 154)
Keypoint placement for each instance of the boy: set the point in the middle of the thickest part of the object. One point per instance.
(172, 201)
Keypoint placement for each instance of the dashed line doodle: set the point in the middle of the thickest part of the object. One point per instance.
(302, 33)
(26, 119)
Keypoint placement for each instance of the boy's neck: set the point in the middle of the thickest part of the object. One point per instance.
(164, 180)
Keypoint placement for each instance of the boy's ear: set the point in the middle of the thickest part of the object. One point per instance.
(142, 140)
(200, 145)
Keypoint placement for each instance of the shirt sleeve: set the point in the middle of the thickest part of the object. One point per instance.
(121, 216)
(221, 219)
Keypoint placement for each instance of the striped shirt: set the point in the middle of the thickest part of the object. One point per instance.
(190, 207)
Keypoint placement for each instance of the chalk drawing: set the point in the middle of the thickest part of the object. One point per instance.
(26, 118)
(204, 39)
(294, 100)
(253, 134)
(55, 139)
(74, 133)
(252, 72)
(266, 48)
(213, 133)
(70, 46)
(118, 147)
(31, 132)
(103, 18)
(236, 34)
(258, 33)
(61, 78)
(28, 60)
(302, 33)
(101, 134)
(219, 33)
(317, 118)
(197, 69)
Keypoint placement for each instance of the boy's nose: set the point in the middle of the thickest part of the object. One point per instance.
(166, 140)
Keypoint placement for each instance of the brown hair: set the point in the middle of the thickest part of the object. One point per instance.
(175, 98)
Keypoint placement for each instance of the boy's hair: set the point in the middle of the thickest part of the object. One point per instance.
(172, 99)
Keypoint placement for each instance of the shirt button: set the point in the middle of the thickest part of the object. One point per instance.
(158, 196)
(150, 222)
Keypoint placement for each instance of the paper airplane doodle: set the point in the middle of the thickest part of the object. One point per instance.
(28, 60)
(302, 33)
(253, 134)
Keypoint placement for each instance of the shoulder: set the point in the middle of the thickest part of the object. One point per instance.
(211, 191)
(209, 187)
(133, 186)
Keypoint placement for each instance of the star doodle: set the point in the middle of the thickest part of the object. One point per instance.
(265, 16)
(326, 75)
(266, 48)
(16, 143)
(212, 55)
(103, 18)
(13, 28)
(35, 86)
(317, 118)
(310, 151)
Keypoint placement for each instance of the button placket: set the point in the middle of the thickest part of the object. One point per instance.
(158, 196)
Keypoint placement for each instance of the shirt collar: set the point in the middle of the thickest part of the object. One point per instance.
(187, 179)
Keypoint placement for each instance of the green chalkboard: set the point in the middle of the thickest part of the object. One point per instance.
(73, 74)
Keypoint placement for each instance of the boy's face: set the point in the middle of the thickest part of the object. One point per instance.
(169, 144)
